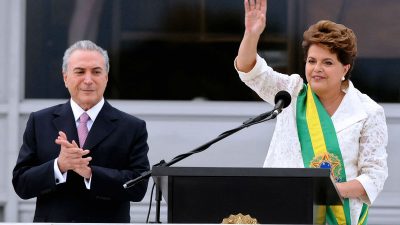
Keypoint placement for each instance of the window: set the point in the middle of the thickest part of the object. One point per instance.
(184, 49)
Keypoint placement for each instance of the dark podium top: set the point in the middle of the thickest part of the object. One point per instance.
(271, 195)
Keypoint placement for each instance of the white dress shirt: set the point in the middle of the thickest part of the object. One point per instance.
(77, 111)
(360, 127)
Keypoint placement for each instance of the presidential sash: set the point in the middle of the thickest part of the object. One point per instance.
(320, 149)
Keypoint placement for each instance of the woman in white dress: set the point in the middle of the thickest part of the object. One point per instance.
(329, 124)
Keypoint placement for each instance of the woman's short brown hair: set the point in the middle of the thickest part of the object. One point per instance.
(339, 39)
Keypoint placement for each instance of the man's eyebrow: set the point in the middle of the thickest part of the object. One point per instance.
(78, 68)
(94, 68)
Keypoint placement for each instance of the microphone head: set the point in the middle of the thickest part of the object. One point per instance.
(283, 96)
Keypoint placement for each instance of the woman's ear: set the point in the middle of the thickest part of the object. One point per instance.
(346, 68)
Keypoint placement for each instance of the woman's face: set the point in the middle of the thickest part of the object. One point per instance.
(324, 71)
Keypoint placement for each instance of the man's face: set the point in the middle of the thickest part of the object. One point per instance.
(86, 77)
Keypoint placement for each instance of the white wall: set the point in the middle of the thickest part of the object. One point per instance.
(11, 68)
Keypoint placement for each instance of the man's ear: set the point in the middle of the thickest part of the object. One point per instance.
(65, 79)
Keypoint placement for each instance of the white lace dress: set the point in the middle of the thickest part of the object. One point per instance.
(359, 122)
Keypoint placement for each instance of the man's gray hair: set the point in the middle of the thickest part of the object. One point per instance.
(88, 46)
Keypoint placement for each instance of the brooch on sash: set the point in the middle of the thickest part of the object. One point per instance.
(329, 161)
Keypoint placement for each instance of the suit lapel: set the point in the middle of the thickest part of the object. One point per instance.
(64, 121)
(102, 126)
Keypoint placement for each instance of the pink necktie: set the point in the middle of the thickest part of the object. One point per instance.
(82, 128)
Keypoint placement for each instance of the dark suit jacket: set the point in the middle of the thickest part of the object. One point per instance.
(118, 147)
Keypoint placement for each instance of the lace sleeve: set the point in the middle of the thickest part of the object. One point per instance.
(266, 82)
(372, 165)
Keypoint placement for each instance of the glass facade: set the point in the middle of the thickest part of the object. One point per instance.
(184, 49)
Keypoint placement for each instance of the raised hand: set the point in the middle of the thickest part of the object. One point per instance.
(255, 16)
(71, 157)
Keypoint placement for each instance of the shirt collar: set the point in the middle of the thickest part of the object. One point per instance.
(92, 112)
(350, 109)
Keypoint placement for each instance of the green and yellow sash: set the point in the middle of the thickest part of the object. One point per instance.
(320, 149)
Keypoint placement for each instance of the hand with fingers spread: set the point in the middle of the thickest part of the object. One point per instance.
(255, 16)
(255, 20)
(71, 157)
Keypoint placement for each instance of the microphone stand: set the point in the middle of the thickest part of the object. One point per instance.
(250, 122)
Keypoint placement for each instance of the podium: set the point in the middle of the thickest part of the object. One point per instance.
(271, 195)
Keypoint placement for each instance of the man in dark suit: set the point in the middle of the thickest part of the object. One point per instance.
(76, 164)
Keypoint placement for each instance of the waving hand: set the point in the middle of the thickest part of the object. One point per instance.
(255, 20)
(255, 16)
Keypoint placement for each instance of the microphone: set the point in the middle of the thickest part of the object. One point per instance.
(138, 179)
(143, 176)
(282, 100)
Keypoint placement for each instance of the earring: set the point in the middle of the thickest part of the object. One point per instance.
(343, 78)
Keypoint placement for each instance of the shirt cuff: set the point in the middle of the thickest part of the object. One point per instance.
(88, 182)
(369, 189)
(59, 177)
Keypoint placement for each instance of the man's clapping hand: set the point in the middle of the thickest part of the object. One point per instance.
(71, 157)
